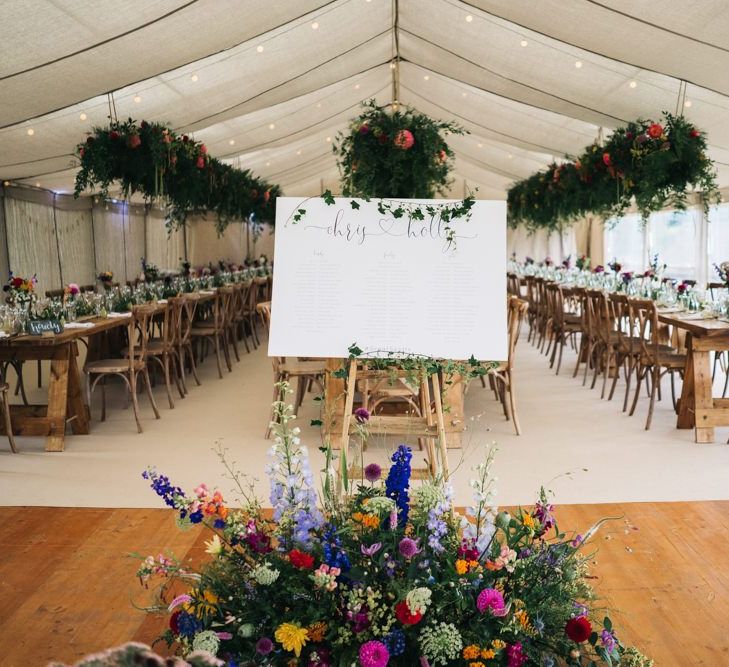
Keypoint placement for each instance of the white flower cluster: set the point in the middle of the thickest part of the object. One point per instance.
(440, 643)
(418, 600)
(380, 505)
(206, 641)
(265, 575)
(481, 529)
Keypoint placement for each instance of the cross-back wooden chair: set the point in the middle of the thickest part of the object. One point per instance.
(214, 330)
(655, 360)
(563, 326)
(503, 375)
(513, 285)
(183, 316)
(286, 369)
(130, 368)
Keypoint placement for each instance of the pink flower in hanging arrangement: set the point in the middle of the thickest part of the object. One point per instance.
(203, 149)
(442, 155)
(655, 130)
(364, 128)
(404, 139)
(694, 133)
(81, 151)
(113, 135)
(606, 159)
(134, 141)
(200, 162)
(266, 196)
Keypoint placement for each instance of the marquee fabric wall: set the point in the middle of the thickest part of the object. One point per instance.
(62, 239)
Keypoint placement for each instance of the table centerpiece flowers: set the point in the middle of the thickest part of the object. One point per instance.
(384, 573)
(20, 291)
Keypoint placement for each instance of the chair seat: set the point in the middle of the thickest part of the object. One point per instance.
(111, 366)
(202, 329)
(671, 359)
(155, 347)
(295, 367)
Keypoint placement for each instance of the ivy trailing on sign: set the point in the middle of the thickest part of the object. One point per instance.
(654, 164)
(161, 165)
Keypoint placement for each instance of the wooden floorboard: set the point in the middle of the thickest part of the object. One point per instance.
(67, 584)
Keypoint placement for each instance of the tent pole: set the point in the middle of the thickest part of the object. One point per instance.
(395, 65)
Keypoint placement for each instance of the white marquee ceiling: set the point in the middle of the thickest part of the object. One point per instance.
(269, 85)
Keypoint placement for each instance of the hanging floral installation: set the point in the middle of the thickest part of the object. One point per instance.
(161, 165)
(399, 154)
(654, 164)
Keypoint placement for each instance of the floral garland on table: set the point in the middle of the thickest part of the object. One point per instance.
(400, 154)
(153, 160)
(389, 574)
(651, 163)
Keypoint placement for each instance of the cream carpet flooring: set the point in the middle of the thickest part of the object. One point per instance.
(583, 449)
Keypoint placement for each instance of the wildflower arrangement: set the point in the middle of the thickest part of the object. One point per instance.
(20, 290)
(396, 153)
(722, 270)
(385, 573)
(652, 163)
(150, 271)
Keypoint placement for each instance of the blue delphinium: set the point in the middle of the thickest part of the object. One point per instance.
(173, 496)
(188, 624)
(395, 642)
(334, 555)
(398, 482)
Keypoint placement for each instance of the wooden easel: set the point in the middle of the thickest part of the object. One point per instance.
(428, 426)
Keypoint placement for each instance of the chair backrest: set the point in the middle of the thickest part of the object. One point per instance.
(183, 315)
(554, 305)
(600, 322)
(243, 299)
(620, 315)
(223, 308)
(140, 326)
(643, 318)
(513, 285)
(517, 308)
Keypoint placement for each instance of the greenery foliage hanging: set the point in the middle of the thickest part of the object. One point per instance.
(161, 165)
(395, 154)
(651, 163)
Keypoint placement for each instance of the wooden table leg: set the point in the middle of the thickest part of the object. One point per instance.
(686, 415)
(333, 410)
(453, 411)
(703, 394)
(76, 410)
(58, 398)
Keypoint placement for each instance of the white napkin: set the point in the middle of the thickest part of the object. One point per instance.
(161, 300)
(113, 314)
(208, 292)
(4, 334)
(79, 325)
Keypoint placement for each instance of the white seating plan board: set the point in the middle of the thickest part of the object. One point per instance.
(390, 285)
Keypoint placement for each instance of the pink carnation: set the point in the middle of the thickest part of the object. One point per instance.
(490, 599)
(404, 139)
(373, 654)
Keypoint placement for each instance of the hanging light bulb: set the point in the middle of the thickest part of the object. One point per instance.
(633, 84)
(578, 64)
(137, 99)
(272, 126)
(315, 26)
(524, 42)
(259, 48)
(31, 131)
(427, 77)
(194, 77)
(232, 142)
(82, 116)
(687, 103)
(469, 18)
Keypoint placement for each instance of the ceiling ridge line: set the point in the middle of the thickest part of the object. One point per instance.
(586, 50)
(172, 69)
(304, 129)
(103, 42)
(298, 76)
(546, 149)
(514, 81)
